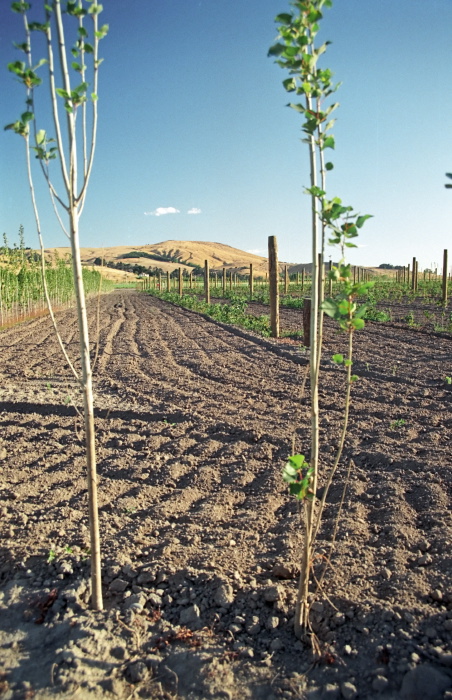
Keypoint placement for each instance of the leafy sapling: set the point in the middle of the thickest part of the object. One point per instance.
(74, 144)
(297, 51)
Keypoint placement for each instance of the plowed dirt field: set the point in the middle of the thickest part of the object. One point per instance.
(200, 539)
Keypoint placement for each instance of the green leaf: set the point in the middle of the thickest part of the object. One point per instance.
(18, 67)
(328, 142)
(276, 50)
(330, 307)
(354, 378)
(27, 117)
(350, 245)
(329, 166)
(348, 363)
(289, 84)
(95, 9)
(40, 137)
(103, 31)
(20, 7)
(21, 47)
(315, 191)
(82, 32)
(361, 312)
(296, 489)
(284, 18)
(80, 89)
(357, 323)
(338, 358)
(362, 219)
(296, 461)
(63, 93)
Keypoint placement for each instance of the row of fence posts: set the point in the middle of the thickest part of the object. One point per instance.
(407, 275)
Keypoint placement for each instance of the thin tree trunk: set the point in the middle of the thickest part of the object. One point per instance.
(87, 388)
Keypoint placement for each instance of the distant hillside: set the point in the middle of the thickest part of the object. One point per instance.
(170, 255)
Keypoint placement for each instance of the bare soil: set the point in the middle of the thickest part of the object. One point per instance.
(201, 541)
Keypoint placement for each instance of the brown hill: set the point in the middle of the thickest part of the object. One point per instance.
(177, 253)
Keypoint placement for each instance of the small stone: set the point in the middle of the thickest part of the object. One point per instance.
(347, 650)
(3, 453)
(437, 595)
(448, 625)
(224, 595)
(331, 691)
(253, 627)
(276, 644)
(445, 658)
(317, 606)
(380, 683)
(272, 622)
(386, 573)
(424, 545)
(284, 571)
(431, 632)
(155, 600)
(65, 567)
(424, 560)
(348, 691)
(153, 661)
(272, 594)
(118, 585)
(424, 683)
(137, 672)
(135, 602)
(118, 652)
(247, 653)
(190, 615)
(338, 619)
(146, 577)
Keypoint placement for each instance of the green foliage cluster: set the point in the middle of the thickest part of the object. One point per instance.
(21, 287)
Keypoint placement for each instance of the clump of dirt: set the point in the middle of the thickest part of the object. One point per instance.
(201, 542)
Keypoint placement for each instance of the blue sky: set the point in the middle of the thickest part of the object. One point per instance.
(192, 118)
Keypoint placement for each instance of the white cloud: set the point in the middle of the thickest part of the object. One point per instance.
(161, 211)
(257, 252)
(194, 210)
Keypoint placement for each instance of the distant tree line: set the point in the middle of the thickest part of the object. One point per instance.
(388, 266)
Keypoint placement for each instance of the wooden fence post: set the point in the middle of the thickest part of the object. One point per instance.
(445, 265)
(274, 288)
(251, 280)
(180, 282)
(206, 282)
(307, 322)
(286, 280)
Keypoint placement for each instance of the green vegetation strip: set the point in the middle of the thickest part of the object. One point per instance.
(232, 312)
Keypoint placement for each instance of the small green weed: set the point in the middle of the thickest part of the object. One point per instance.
(51, 556)
(399, 423)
